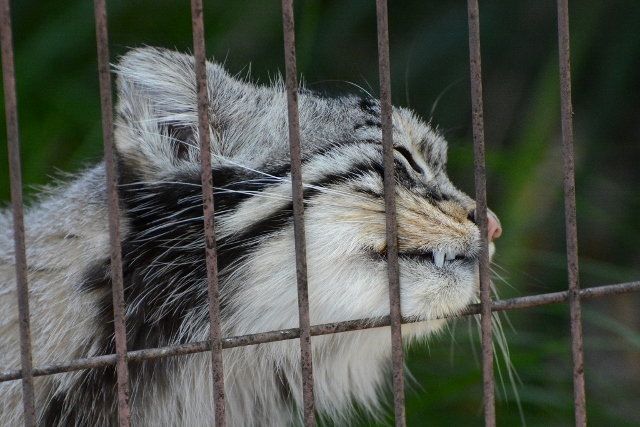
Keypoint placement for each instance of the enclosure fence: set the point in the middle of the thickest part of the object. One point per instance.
(216, 343)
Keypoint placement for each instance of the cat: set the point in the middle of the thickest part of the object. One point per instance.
(163, 253)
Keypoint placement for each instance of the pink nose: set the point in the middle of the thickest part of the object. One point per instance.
(493, 226)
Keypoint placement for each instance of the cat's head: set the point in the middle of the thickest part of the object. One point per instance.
(156, 138)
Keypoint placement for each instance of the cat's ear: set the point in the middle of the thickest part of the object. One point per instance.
(157, 117)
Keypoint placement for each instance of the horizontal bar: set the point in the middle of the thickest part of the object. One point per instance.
(316, 330)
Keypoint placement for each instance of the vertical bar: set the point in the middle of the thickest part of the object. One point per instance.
(197, 23)
(124, 412)
(13, 139)
(481, 211)
(390, 210)
(570, 213)
(298, 212)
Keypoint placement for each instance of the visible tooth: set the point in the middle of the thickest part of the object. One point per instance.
(438, 258)
(449, 256)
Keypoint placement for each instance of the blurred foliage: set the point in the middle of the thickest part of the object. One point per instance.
(59, 115)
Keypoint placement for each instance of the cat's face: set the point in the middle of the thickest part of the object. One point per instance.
(439, 243)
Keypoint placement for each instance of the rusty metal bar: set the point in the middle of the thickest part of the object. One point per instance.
(570, 214)
(324, 329)
(288, 27)
(393, 270)
(481, 211)
(208, 211)
(15, 174)
(124, 412)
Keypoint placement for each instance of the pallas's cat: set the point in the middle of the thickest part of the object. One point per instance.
(163, 253)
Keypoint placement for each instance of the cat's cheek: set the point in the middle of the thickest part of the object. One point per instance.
(347, 288)
(427, 293)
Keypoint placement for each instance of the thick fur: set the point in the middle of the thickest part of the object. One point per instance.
(163, 253)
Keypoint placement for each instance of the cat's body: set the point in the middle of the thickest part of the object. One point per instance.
(163, 253)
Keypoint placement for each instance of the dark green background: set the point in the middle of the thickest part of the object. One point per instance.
(59, 115)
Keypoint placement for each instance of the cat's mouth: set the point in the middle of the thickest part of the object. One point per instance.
(440, 258)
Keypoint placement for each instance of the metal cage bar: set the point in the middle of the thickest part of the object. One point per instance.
(566, 111)
(15, 173)
(104, 70)
(475, 62)
(208, 212)
(288, 27)
(393, 270)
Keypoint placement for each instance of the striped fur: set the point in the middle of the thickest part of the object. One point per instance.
(163, 253)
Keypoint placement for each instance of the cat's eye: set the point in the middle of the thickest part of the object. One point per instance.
(409, 158)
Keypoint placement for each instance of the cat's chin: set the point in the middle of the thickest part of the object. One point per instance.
(419, 326)
(421, 329)
(429, 292)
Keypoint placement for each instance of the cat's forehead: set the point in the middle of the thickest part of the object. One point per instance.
(419, 138)
(363, 117)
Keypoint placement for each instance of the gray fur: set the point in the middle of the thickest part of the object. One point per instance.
(156, 130)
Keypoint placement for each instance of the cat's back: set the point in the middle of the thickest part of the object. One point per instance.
(65, 230)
